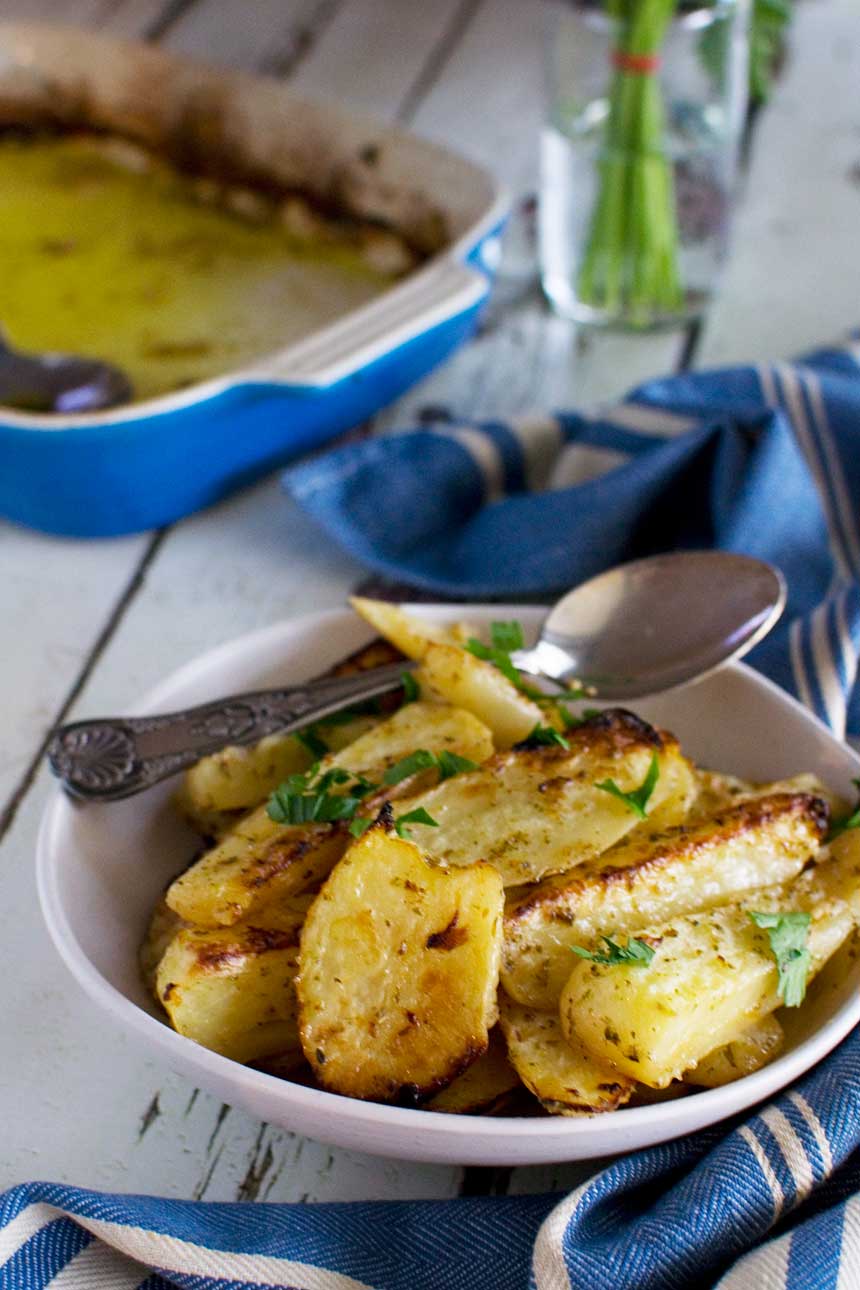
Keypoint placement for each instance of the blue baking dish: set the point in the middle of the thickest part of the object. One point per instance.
(148, 463)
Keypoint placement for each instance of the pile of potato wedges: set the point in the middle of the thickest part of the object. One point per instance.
(499, 921)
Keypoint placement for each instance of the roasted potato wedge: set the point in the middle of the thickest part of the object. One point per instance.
(484, 1088)
(236, 779)
(398, 971)
(843, 874)
(451, 674)
(260, 861)
(163, 926)
(752, 1049)
(225, 785)
(562, 1074)
(377, 653)
(233, 989)
(647, 880)
(711, 978)
(533, 811)
(717, 792)
(409, 634)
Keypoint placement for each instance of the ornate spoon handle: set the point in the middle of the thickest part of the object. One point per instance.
(113, 757)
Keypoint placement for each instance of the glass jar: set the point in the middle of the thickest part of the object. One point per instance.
(639, 157)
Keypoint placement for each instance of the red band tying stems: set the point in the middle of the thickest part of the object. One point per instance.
(642, 63)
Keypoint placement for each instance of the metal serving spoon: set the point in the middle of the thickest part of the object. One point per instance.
(638, 629)
(59, 382)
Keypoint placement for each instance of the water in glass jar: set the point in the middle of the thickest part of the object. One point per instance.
(699, 149)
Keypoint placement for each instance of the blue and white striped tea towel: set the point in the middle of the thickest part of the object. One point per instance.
(689, 1215)
(763, 460)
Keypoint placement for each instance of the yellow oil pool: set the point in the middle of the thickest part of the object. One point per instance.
(109, 253)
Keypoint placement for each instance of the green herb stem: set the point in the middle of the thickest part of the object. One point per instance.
(630, 263)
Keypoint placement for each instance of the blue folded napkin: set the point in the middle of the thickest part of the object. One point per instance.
(688, 1215)
(762, 460)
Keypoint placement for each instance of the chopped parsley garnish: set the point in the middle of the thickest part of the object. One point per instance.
(543, 737)
(851, 821)
(447, 764)
(504, 637)
(568, 694)
(411, 688)
(344, 716)
(411, 765)
(312, 740)
(418, 816)
(450, 764)
(500, 658)
(570, 719)
(309, 799)
(788, 935)
(635, 952)
(507, 636)
(637, 799)
(306, 799)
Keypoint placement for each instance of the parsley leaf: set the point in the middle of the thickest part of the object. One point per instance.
(572, 720)
(344, 716)
(851, 821)
(570, 694)
(418, 816)
(637, 799)
(788, 935)
(450, 764)
(506, 636)
(635, 952)
(411, 765)
(306, 799)
(312, 740)
(498, 657)
(359, 825)
(501, 658)
(543, 737)
(411, 688)
(447, 763)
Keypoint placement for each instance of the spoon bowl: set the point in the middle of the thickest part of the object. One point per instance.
(650, 625)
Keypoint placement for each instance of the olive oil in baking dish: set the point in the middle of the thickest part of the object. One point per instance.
(109, 252)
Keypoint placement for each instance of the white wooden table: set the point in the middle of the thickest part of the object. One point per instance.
(85, 627)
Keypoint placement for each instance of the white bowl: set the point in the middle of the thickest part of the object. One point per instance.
(101, 869)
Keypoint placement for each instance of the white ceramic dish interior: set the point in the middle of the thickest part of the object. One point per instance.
(101, 869)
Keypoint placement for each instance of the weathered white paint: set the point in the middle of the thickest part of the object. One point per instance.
(793, 278)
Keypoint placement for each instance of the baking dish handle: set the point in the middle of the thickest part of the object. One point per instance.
(428, 299)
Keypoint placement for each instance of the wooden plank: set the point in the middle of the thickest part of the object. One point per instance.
(793, 277)
(138, 18)
(374, 54)
(60, 594)
(267, 35)
(488, 99)
(54, 598)
(80, 12)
